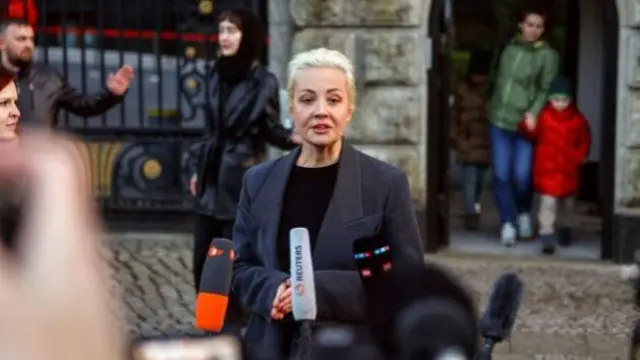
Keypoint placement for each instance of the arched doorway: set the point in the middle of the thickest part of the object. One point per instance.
(589, 49)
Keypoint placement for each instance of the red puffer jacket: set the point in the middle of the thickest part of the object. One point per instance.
(562, 140)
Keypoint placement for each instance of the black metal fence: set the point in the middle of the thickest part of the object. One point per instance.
(138, 150)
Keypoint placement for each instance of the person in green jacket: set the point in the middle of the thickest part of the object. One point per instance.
(523, 74)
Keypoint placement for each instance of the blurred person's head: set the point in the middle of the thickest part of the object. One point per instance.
(532, 24)
(241, 37)
(560, 93)
(322, 94)
(9, 113)
(16, 43)
(479, 66)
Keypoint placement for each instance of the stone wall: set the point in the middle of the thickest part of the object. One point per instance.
(628, 120)
(385, 39)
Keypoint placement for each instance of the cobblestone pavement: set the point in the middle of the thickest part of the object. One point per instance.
(571, 310)
(154, 274)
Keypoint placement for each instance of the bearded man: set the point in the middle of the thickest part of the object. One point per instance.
(43, 90)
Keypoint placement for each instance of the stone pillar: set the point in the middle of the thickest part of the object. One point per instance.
(626, 231)
(385, 39)
(280, 34)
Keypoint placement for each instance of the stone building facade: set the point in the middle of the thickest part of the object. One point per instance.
(627, 135)
(387, 41)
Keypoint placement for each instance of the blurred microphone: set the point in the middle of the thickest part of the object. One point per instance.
(392, 288)
(303, 294)
(634, 353)
(213, 298)
(220, 348)
(435, 328)
(340, 343)
(501, 312)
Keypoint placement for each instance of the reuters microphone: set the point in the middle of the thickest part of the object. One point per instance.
(215, 284)
(303, 290)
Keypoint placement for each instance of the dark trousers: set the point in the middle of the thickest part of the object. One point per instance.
(207, 228)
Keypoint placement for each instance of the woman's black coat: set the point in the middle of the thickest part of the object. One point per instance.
(236, 139)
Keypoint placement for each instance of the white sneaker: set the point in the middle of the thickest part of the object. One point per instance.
(525, 228)
(508, 235)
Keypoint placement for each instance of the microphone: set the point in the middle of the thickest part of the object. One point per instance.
(341, 343)
(634, 353)
(303, 294)
(223, 347)
(390, 288)
(435, 328)
(501, 312)
(213, 298)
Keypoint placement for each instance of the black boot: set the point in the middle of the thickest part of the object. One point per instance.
(471, 222)
(548, 244)
(564, 236)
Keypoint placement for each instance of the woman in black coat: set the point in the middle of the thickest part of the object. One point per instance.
(244, 116)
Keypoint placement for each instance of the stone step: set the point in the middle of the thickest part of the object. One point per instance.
(570, 309)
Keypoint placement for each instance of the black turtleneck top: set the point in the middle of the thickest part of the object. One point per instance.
(305, 204)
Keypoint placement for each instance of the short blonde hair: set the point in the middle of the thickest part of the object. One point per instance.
(322, 58)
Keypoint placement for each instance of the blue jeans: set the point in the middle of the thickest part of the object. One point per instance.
(511, 158)
(473, 185)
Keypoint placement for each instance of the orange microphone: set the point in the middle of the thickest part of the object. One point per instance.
(215, 284)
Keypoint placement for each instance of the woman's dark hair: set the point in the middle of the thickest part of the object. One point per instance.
(251, 45)
(534, 10)
(231, 17)
(6, 78)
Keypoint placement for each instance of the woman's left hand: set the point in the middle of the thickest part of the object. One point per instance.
(282, 302)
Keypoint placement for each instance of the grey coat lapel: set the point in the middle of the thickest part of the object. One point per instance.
(345, 207)
(269, 205)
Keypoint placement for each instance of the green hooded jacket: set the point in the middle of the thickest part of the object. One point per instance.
(521, 82)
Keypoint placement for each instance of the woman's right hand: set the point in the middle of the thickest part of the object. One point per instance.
(193, 184)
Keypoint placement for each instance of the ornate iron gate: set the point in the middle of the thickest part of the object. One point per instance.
(138, 150)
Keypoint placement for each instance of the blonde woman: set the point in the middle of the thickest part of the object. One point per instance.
(327, 186)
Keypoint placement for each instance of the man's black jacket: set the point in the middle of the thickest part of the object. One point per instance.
(44, 91)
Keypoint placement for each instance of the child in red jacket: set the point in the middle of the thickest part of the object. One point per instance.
(562, 139)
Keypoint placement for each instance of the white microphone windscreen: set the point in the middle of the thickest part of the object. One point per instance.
(303, 294)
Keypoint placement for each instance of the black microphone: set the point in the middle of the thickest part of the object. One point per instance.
(501, 312)
(436, 328)
(634, 351)
(390, 288)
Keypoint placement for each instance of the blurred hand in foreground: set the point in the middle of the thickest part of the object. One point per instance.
(54, 296)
